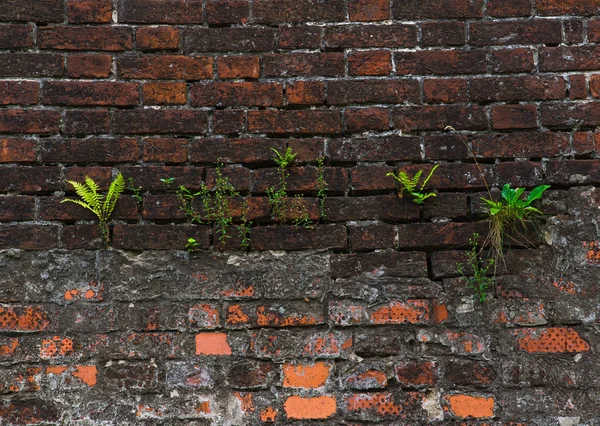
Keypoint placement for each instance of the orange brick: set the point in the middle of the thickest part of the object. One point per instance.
(165, 93)
(87, 374)
(23, 319)
(238, 67)
(409, 312)
(56, 346)
(550, 340)
(305, 376)
(470, 406)
(320, 407)
(370, 63)
(160, 38)
(212, 344)
(305, 93)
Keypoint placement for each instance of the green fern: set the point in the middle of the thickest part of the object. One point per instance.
(92, 200)
(411, 185)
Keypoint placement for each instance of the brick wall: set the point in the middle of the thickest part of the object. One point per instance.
(363, 318)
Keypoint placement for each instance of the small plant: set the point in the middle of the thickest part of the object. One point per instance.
(321, 186)
(411, 185)
(192, 245)
(510, 215)
(300, 214)
(167, 181)
(244, 227)
(479, 282)
(101, 206)
(137, 192)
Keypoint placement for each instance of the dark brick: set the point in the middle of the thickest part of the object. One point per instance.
(227, 11)
(162, 208)
(511, 60)
(369, 10)
(303, 64)
(301, 179)
(438, 117)
(557, 7)
(573, 171)
(569, 58)
(447, 33)
(393, 264)
(299, 37)
(372, 236)
(574, 31)
(384, 207)
(441, 62)
(158, 237)
(28, 237)
(292, 11)
(508, 8)
(89, 66)
(168, 150)
(89, 151)
(378, 62)
(371, 179)
(177, 121)
(511, 145)
(165, 93)
(447, 90)
(517, 88)
(469, 373)
(165, 67)
(457, 176)
(29, 121)
(73, 93)
(228, 121)
(13, 150)
(362, 119)
(157, 38)
(18, 92)
(446, 147)
(448, 205)
(230, 150)
(372, 91)
(31, 65)
(392, 148)
(345, 36)
(86, 121)
(305, 121)
(85, 38)
(432, 235)
(250, 374)
(14, 36)
(29, 411)
(298, 238)
(570, 114)
(90, 11)
(305, 93)
(417, 374)
(148, 177)
(578, 87)
(101, 175)
(514, 117)
(229, 40)
(15, 208)
(42, 11)
(81, 237)
(519, 174)
(535, 31)
(237, 94)
(435, 9)
(160, 12)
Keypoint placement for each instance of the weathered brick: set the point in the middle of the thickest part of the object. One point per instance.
(431, 9)
(362, 119)
(29, 237)
(89, 66)
(416, 374)
(165, 67)
(178, 121)
(574, 31)
(508, 9)
(227, 11)
(89, 11)
(18, 92)
(550, 340)
(450, 90)
(347, 36)
(438, 117)
(368, 10)
(448, 205)
(228, 121)
(159, 12)
(514, 117)
(441, 62)
(569, 58)
(305, 93)
(73, 93)
(274, 314)
(157, 237)
(575, 171)
(237, 94)
(469, 373)
(554, 7)
(299, 37)
(578, 87)
(393, 148)
(86, 121)
(29, 121)
(303, 64)
(29, 411)
(303, 121)
(168, 150)
(368, 237)
(89, 150)
(448, 33)
(372, 91)
(165, 93)
(229, 40)
(230, 150)
(371, 179)
(276, 11)
(85, 38)
(535, 31)
(377, 62)
(412, 311)
(33, 10)
(383, 406)
(517, 88)
(294, 238)
(251, 374)
(157, 38)
(510, 145)
(570, 114)
(446, 147)
(511, 60)
(450, 235)
(13, 36)
(16, 208)
(238, 66)
(31, 65)
(148, 177)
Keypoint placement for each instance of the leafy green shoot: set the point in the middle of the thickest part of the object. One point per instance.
(411, 185)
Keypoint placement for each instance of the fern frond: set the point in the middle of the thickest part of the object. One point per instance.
(87, 195)
(93, 189)
(82, 204)
(429, 176)
(117, 186)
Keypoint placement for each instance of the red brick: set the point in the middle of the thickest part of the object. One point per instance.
(168, 150)
(537, 31)
(153, 12)
(517, 88)
(578, 87)
(511, 60)
(452, 90)
(234, 39)
(304, 121)
(85, 38)
(13, 36)
(305, 93)
(296, 238)
(158, 237)
(370, 63)
(557, 7)
(24, 65)
(514, 117)
(33, 10)
(570, 58)
(165, 93)
(392, 36)
(228, 121)
(437, 117)
(595, 85)
(371, 179)
(13, 150)
(372, 91)
(435, 9)
(585, 142)
(86, 121)
(89, 11)
(165, 67)
(369, 10)
(299, 37)
(29, 121)
(292, 11)
(18, 92)
(448, 33)
(508, 9)
(81, 237)
(157, 38)
(381, 207)
(237, 94)
(594, 30)
(74, 93)
(16, 208)
(30, 179)
(227, 11)
(89, 66)
(432, 235)
(238, 66)
(165, 121)
(371, 237)
(29, 237)
(511, 145)
(362, 119)
(414, 374)
(148, 176)
(303, 64)
(89, 150)
(441, 62)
